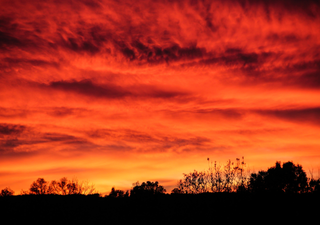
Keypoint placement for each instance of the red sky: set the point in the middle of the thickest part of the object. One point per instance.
(116, 92)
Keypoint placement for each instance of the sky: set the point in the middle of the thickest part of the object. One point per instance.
(117, 91)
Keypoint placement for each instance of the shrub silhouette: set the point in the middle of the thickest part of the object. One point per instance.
(289, 178)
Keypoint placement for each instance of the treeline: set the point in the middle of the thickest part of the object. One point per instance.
(74, 187)
(285, 178)
(230, 178)
(60, 187)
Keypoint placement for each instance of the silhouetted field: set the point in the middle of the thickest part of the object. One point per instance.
(216, 208)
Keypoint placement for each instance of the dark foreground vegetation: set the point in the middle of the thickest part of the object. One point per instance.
(283, 194)
(207, 208)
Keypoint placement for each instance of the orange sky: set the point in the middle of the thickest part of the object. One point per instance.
(116, 92)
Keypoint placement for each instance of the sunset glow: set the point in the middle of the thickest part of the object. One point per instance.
(116, 92)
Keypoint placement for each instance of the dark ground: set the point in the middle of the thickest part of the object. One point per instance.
(219, 208)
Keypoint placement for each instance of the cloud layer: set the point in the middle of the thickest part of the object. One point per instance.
(116, 92)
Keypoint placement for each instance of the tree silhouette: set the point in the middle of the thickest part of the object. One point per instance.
(289, 178)
(194, 183)
(70, 187)
(147, 189)
(6, 192)
(61, 187)
(39, 187)
(229, 178)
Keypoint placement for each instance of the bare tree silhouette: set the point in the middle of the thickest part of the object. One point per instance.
(229, 178)
(61, 187)
(71, 187)
(39, 187)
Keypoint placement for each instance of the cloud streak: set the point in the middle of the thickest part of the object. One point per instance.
(113, 91)
(310, 115)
